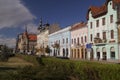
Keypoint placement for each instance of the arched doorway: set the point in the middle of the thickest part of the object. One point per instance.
(85, 53)
(78, 53)
(112, 53)
(104, 53)
(82, 53)
(91, 54)
(98, 53)
(72, 56)
(63, 52)
(54, 53)
(67, 52)
(74, 53)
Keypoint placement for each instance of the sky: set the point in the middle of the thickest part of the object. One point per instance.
(16, 14)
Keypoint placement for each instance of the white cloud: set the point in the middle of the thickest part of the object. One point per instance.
(13, 13)
(10, 42)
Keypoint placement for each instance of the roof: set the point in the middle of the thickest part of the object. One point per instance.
(78, 25)
(32, 37)
(102, 10)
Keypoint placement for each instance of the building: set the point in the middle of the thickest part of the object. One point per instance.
(103, 31)
(59, 43)
(26, 43)
(42, 38)
(79, 34)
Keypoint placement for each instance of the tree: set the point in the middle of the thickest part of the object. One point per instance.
(47, 49)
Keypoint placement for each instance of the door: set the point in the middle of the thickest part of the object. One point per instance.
(104, 56)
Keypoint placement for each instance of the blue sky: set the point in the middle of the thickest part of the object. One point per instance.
(16, 14)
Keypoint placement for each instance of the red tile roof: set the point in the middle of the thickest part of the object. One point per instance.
(78, 25)
(32, 37)
(99, 11)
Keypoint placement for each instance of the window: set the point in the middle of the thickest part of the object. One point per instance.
(91, 25)
(63, 41)
(104, 35)
(118, 12)
(97, 23)
(112, 34)
(91, 37)
(74, 41)
(110, 3)
(111, 18)
(81, 39)
(103, 21)
(66, 40)
(98, 35)
(78, 40)
(85, 39)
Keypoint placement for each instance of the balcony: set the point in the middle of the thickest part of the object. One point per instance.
(76, 45)
(99, 41)
(56, 45)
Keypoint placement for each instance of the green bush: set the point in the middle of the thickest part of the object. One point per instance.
(60, 69)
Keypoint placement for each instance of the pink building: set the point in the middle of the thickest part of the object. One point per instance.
(79, 34)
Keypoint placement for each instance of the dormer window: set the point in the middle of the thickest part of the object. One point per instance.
(110, 3)
(111, 18)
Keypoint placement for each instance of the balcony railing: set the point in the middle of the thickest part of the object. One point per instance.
(99, 41)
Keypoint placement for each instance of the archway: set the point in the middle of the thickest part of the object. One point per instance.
(104, 53)
(98, 53)
(85, 53)
(91, 54)
(63, 52)
(82, 53)
(112, 53)
(67, 52)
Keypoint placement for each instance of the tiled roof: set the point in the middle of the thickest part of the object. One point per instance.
(32, 37)
(78, 25)
(99, 11)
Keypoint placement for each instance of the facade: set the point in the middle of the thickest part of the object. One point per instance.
(26, 43)
(42, 38)
(103, 31)
(59, 43)
(79, 40)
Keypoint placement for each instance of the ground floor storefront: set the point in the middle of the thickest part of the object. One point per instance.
(60, 52)
(79, 52)
(108, 52)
